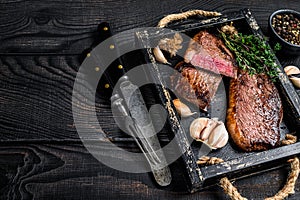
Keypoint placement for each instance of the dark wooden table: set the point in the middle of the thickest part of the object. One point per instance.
(41, 155)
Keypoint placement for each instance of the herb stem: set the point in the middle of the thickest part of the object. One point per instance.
(252, 54)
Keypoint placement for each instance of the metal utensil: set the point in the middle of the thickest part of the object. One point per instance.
(139, 124)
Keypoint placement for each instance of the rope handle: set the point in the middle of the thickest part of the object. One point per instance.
(232, 191)
(174, 17)
(287, 189)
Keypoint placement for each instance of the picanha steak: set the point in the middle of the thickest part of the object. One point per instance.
(254, 113)
(195, 85)
(209, 52)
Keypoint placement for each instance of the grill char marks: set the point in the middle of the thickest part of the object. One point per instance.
(254, 113)
(195, 86)
(206, 51)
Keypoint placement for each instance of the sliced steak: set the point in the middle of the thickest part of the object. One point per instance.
(194, 85)
(254, 113)
(209, 52)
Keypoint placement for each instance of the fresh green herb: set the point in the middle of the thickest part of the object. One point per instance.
(277, 47)
(252, 54)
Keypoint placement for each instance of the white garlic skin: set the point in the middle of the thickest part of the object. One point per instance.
(159, 56)
(295, 81)
(197, 127)
(291, 70)
(209, 131)
(219, 136)
(182, 109)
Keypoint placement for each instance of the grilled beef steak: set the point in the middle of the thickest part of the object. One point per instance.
(209, 52)
(254, 112)
(196, 86)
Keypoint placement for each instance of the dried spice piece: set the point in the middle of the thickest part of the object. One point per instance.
(229, 29)
(171, 45)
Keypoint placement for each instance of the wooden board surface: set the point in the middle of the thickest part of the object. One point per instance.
(60, 171)
(41, 155)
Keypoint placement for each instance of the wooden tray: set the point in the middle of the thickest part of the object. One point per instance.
(187, 175)
(237, 163)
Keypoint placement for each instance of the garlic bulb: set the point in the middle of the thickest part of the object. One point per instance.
(197, 126)
(209, 131)
(218, 137)
(182, 109)
(295, 81)
(291, 70)
(294, 74)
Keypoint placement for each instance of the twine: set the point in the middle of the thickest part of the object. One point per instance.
(232, 191)
(227, 186)
(289, 139)
(174, 17)
(289, 187)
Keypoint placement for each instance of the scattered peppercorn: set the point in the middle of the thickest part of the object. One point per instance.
(287, 26)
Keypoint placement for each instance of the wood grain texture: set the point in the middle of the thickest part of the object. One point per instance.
(36, 99)
(69, 172)
(41, 156)
(44, 27)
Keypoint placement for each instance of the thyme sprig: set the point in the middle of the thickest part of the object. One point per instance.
(252, 54)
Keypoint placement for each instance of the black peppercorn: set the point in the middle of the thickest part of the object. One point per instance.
(287, 26)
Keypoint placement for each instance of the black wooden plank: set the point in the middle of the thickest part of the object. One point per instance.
(35, 100)
(53, 171)
(252, 163)
(70, 26)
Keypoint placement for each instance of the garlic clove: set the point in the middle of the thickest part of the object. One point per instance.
(208, 129)
(295, 81)
(223, 141)
(197, 127)
(219, 136)
(182, 109)
(215, 135)
(291, 70)
(159, 56)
